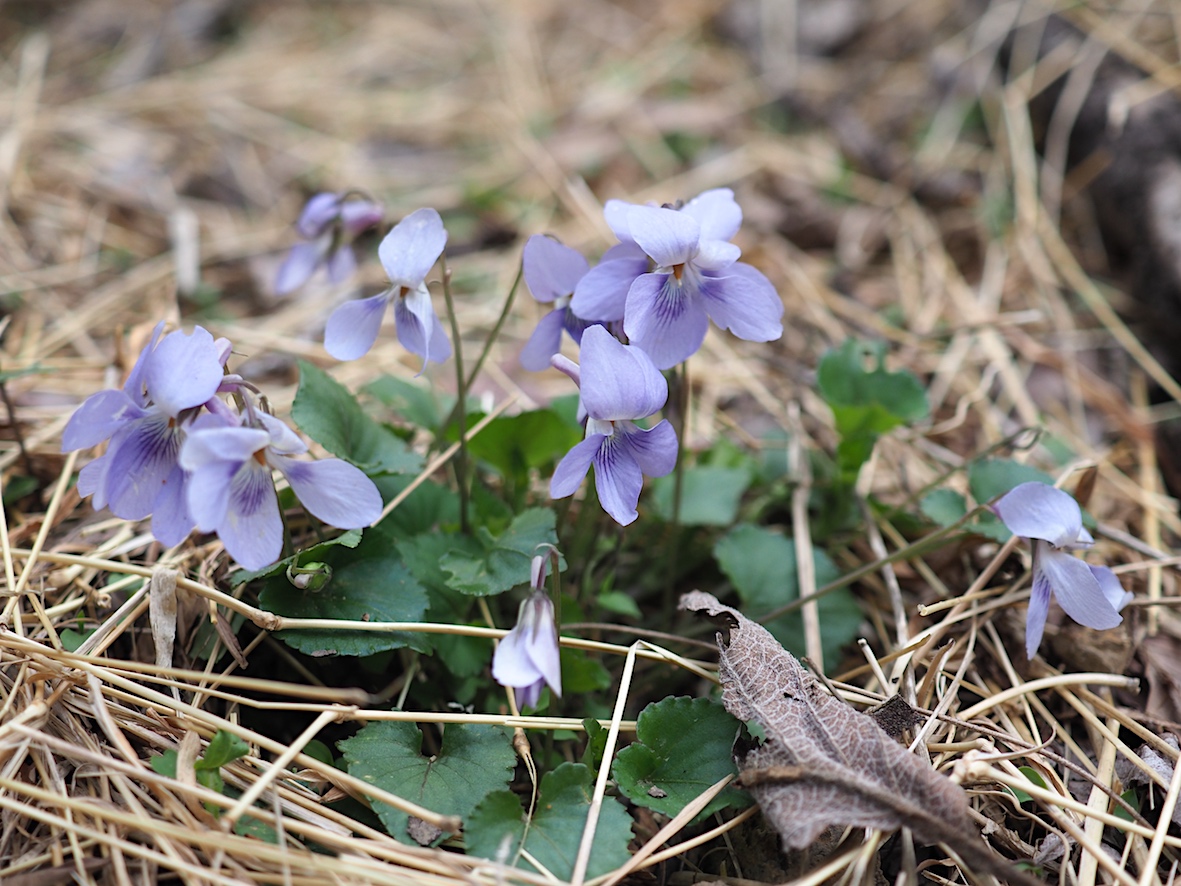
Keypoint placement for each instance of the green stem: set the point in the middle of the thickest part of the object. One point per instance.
(681, 417)
(461, 458)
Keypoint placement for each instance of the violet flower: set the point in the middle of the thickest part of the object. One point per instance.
(601, 294)
(1052, 521)
(231, 491)
(328, 225)
(619, 384)
(407, 253)
(527, 659)
(552, 271)
(145, 423)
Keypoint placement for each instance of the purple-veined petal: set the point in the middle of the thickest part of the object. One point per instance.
(341, 264)
(669, 237)
(576, 326)
(352, 329)
(299, 265)
(571, 470)
(419, 329)
(665, 319)
(602, 294)
(333, 491)
(142, 456)
(551, 269)
(615, 212)
(318, 213)
(1038, 510)
(618, 381)
(92, 480)
(618, 481)
(744, 302)
(210, 442)
(283, 440)
(1112, 589)
(411, 249)
(252, 530)
(134, 387)
(716, 255)
(1039, 608)
(358, 216)
(171, 522)
(717, 212)
(98, 418)
(545, 341)
(1076, 588)
(655, 449)
(184, 371)
(511, 663)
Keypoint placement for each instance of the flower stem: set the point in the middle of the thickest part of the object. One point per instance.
(460, 412)
(681, 420)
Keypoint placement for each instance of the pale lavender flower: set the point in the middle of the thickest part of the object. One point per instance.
(551, 270)
(619, 384)
(1052, 521)
(407, 253)
(527, 659)
(231, 491)
(601, 294)
(328, 225)
(145, 423)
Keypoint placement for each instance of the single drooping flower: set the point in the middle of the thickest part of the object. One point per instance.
(527, 658)
(407, 253)
(146, 424)
(551, 271)
(328, 225)
(231, 491)
(619, 384)
(1053, 522)
(695, 276)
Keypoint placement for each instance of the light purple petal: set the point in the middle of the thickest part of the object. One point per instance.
(618, 381)
(171, 522)
(717, 212)
(568, 368)
(602, 294)
(665, 319)
(1112, 589)
(358, 216)
(411, 249)
(333, 491)
(669, 237)
(618, 481)
(655, 450)
(252, 530)
(1038, 510)
(92, 480)
(136, 379)
(528, 696)
(184, 371)
(318, 213)
(1076, 588)
(716, 255)
(299, 265)
(142, 456)
(207, 493)
(352, 329)
(571, 470)
(1039, 608)
(615, 212)
(341, 264)
(542, 646)
(283, 440)
(98, 418)
(545, 341)
(208, 443)
(551, 269)
(419, 329)
(511, 663)
(744, 302)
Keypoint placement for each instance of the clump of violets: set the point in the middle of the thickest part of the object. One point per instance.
(619, 385)
(407, 253)
(527, 659)
(692, 275)
(1053, 522)
(328, 225)
(230, 458)
(552, 271)
(177, 453)
(146, 423)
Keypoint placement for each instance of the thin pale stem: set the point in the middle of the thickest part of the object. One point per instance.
(461, 460)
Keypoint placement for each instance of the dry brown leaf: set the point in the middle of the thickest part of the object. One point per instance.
(824, 763)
